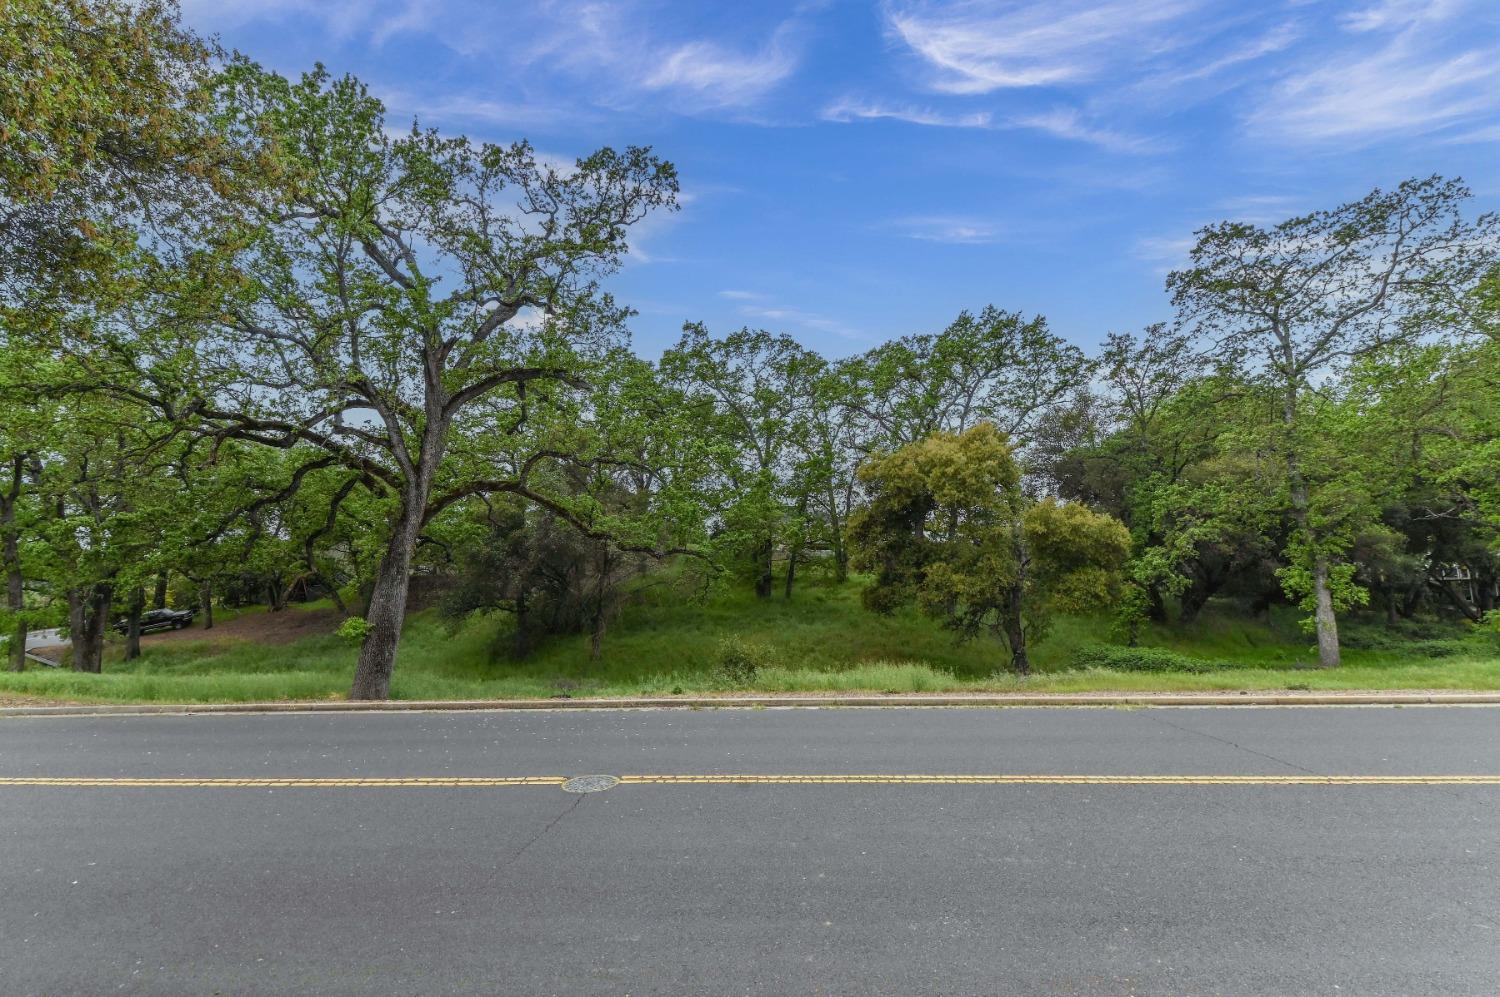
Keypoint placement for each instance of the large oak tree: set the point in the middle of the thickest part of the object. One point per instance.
(1288, 306)
(420, 313)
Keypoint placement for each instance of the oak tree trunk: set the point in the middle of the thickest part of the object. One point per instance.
(1156, 606)
(1327, 624)
(1324, 619)
(1457, 597)
(840, 551)
(15, 597)
(387, 612)
(76, 617)
(276, 594)
(1014, 625)
(15, 588)
(17, 658)
(1015, 637)
(596, 637)
(764, 582)
(338, 600)
(88, 615)
(521, 645)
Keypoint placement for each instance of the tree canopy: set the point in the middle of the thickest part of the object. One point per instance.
(260, 345)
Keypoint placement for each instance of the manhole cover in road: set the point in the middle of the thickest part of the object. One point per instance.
(590, 783)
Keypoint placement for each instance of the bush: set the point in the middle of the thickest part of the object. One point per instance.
(1140, 659)
(1489, 628)
(1440, 648)
(738, 660)
(354, 630)
(1406, 635)
(1419, 638)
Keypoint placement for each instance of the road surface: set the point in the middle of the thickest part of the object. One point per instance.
(344, 853)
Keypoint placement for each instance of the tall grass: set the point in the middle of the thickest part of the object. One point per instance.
(821, 640)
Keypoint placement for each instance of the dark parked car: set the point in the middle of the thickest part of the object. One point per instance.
(159, 619)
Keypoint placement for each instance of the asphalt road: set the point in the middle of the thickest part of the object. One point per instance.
(1202, 887)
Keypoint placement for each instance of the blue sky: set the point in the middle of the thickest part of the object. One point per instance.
(855, 170)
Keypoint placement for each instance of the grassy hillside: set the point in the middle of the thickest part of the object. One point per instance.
(821, 640)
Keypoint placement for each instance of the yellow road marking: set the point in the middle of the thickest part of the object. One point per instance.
(263, 783)
(1067, 780)
(485, 782)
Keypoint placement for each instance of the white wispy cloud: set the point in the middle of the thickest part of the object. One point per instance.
(1399, 13)
(799, 317)
(1065, 123)
(1260, 209)
(761, 308)
(1408, 69)
(376, 20)
(850, 109)
(979, 46)
(1164, 253)
(458, 108)
(610, 54)
(1489, 133)
(956, 229)
(1068, 123)
(1279, 38)
(414, 16)
(716, 76)
(627, 56)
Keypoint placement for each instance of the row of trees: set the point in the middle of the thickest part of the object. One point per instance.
(253, 333)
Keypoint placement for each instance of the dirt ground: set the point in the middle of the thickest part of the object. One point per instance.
(14, 699)
(285, 627)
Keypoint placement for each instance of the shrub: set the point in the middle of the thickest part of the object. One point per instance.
(1408, 635)
(1418, 640)
(1139, 659)
(1489, 627)
(1442, 648)
(353, 630)
(739, 660)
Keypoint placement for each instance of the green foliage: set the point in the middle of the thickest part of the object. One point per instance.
(1141, 659)
(255, 341)
(824, 642)
(354, 630)
(949, 529)
(100, 119)
(1075, 557)
(90, 85)
(1131, 614)
(754, 394)
(738, 661)
(1489, 628)
(997, 367)
(418, 318)
(1289, 304)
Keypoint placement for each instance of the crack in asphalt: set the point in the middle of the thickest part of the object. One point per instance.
(537, 837)
(1241, 747)
(1280, 761)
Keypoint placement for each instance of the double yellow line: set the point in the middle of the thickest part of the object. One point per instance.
(1069, 780)
(486, 782)
(273, 783)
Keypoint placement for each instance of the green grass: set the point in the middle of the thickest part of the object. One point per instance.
(821, 641)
